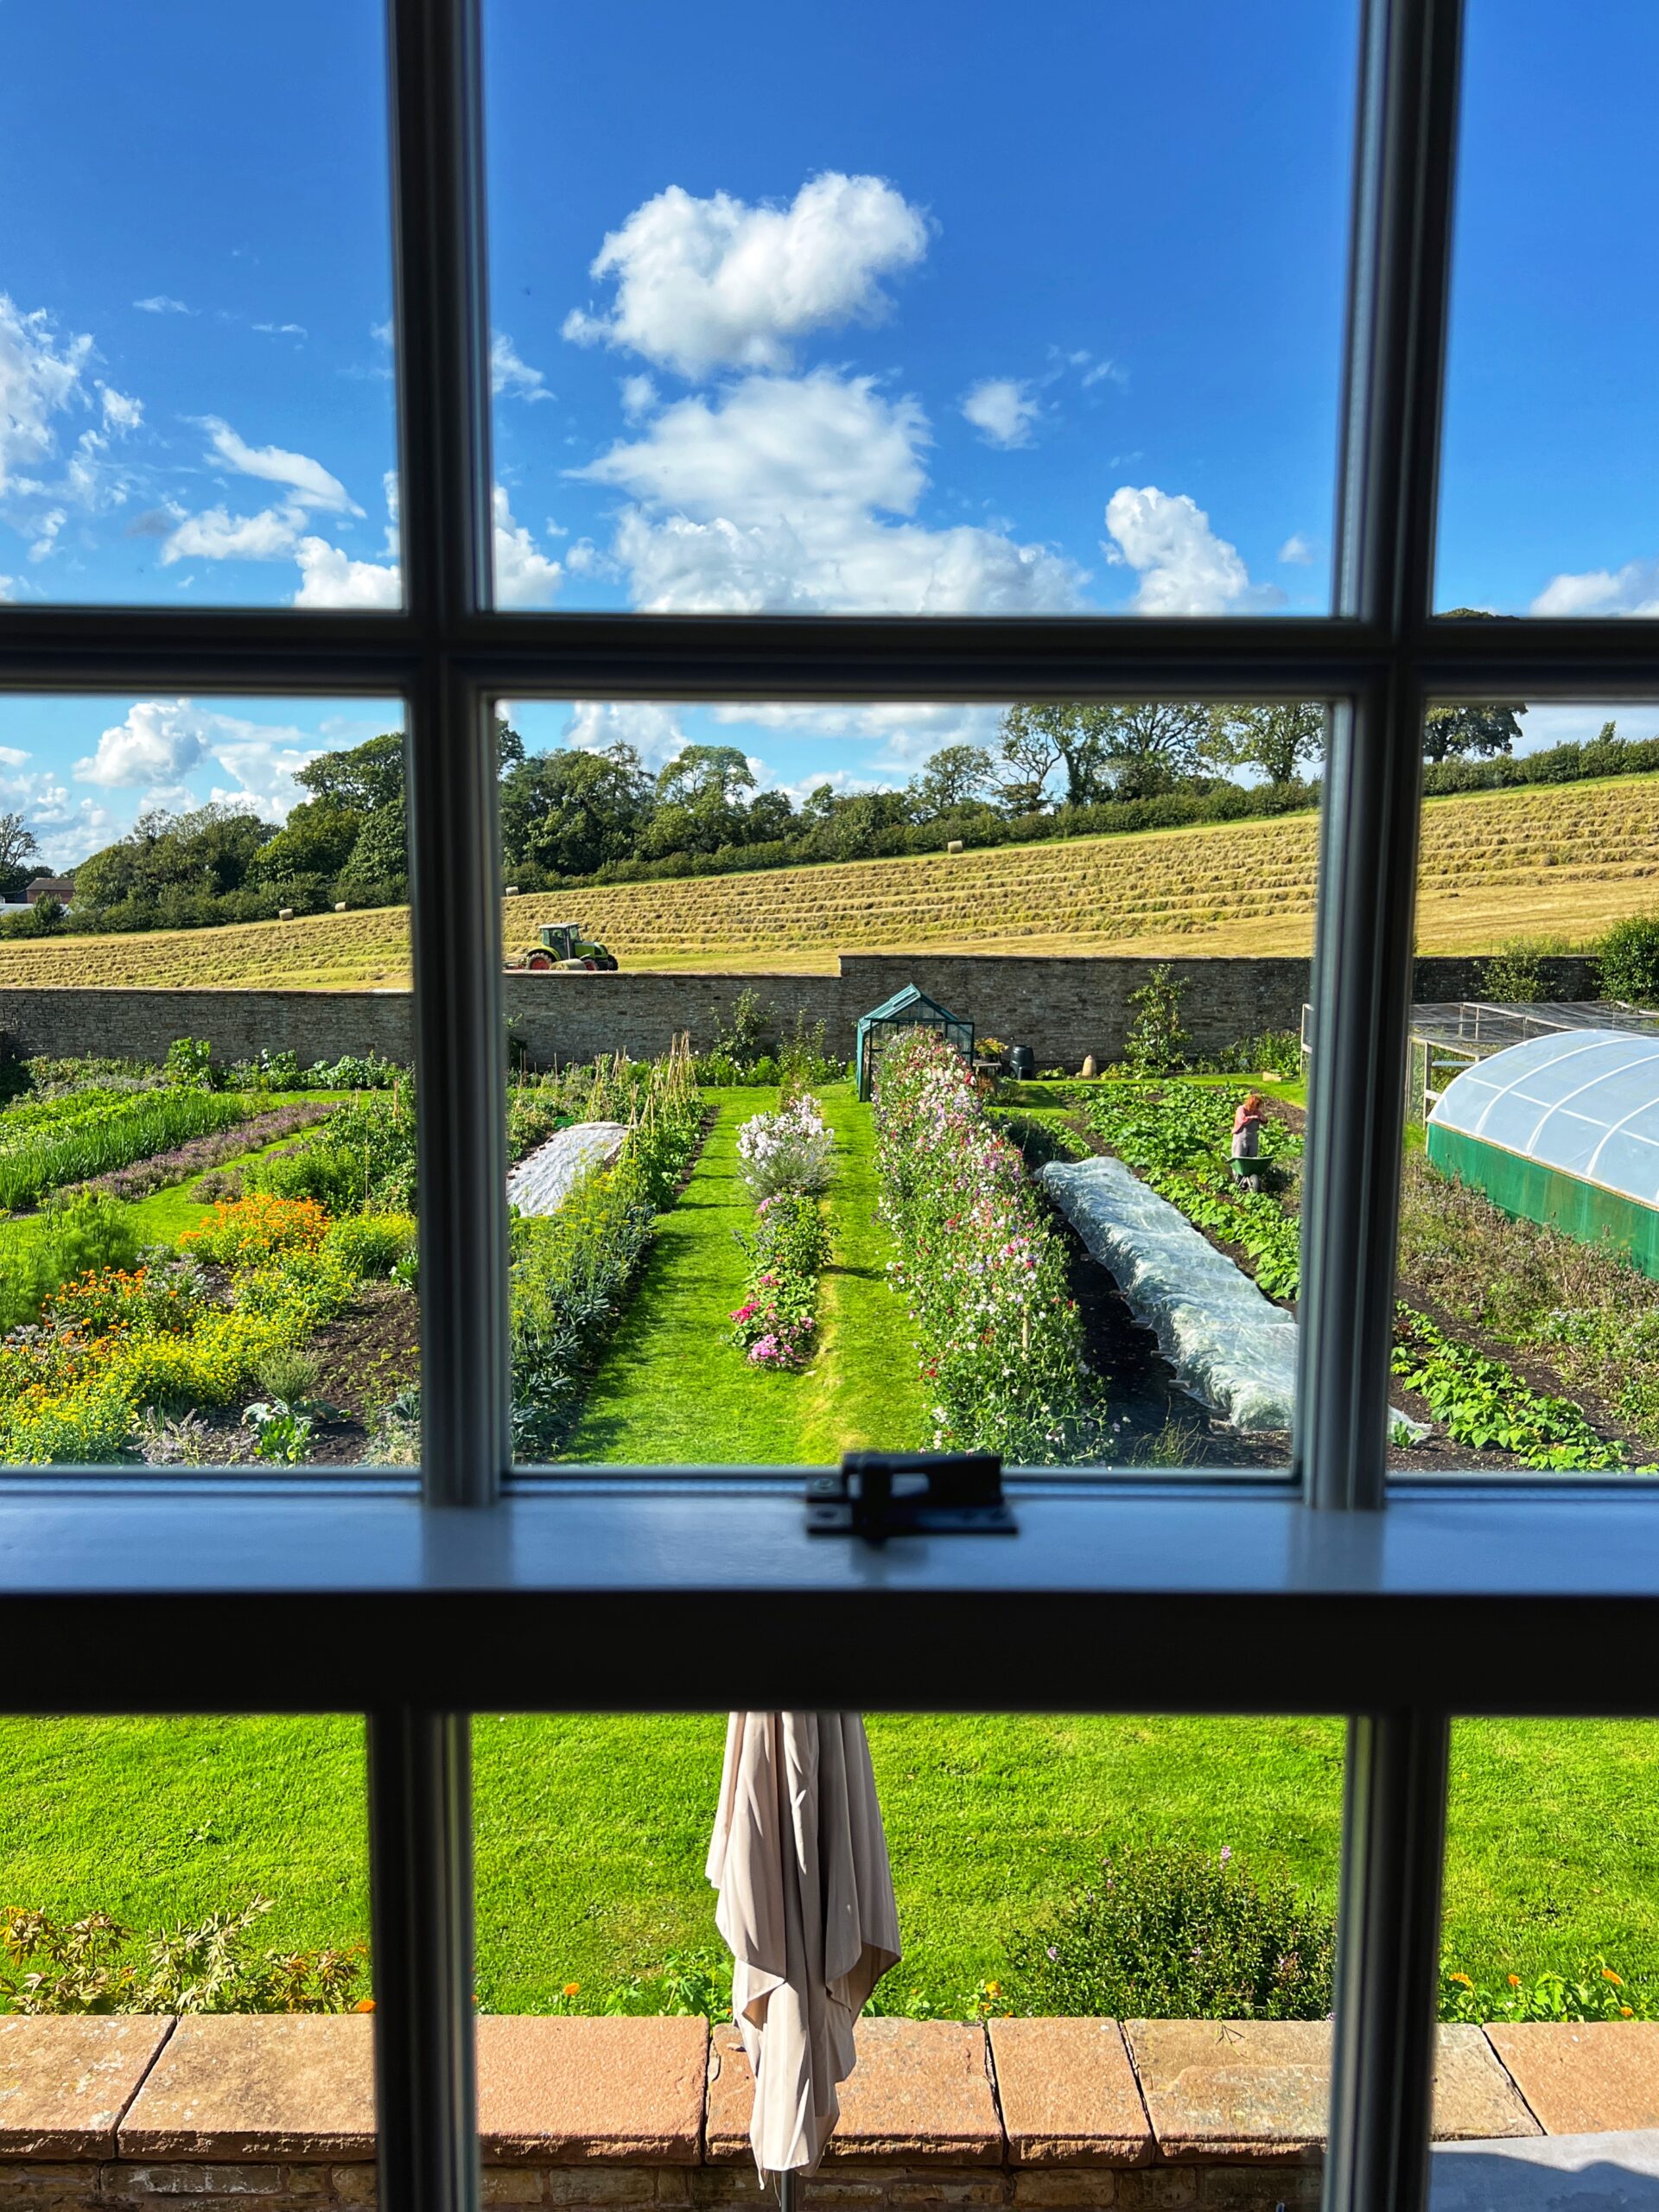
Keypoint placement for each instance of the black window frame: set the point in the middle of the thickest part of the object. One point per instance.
(421, 1598)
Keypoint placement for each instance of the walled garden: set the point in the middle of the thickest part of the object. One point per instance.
(202, 1264)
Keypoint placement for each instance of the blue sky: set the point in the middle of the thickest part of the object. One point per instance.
(830, 308)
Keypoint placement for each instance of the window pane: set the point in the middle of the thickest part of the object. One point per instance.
(1550, 451)
(207, 1116)
(945, 1028)
(195, 360)
(1070, 1891)
(1528, 1302)
(1548, 1958)
(185, 1978)
(853, 314)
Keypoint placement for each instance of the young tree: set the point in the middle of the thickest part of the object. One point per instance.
(1277, 737)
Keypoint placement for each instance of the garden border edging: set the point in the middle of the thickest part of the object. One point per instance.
(1033, 2115)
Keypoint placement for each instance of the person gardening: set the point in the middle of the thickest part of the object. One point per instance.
(1248, 1125)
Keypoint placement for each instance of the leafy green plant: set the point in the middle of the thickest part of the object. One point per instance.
(189, 1063)
(80, 1235)
(89, 1965)
(288, 1373)
(1157, 1043)
(1513, 975)
(1484, 1404)
(1168, 1931)
(281, 1432)
(1596, 1992)
(1272, 1052)
(1627, 959)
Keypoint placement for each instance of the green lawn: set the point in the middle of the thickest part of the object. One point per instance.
(591, 1832)
(860, 1389)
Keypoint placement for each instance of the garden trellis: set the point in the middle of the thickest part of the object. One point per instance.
(906, 1009)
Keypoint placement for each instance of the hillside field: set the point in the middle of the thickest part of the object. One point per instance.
(1559, 861)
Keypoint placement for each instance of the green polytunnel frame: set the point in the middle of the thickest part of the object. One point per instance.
(1563, 1130)
(906, 1009)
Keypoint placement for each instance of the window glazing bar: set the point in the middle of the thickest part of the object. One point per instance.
(1396, 340)
(421, 1905)
(1388, 1982)
(442, 328)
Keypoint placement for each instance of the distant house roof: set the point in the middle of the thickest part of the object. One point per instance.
(49, 886)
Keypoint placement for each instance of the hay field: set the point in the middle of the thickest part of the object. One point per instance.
(1562, 860)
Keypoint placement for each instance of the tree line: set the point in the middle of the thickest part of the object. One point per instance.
(568, 817)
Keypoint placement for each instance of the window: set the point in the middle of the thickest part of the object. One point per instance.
(539, 1592)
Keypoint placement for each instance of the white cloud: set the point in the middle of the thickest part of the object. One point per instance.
(283, 329)
(160, 741)
(907, 735)
(651, 727)
(523, 574)
(13, 756)
(509, 375)
(638, 397)
(1183, 567)
(160, 304)
(1297, 551)
(1001, 411)
(308, 479)
(772, 498)
(38, 378)
(120, 413)
(8, 587)
(218, 535)
(1633, 589)
(46, 528)
(1102, 373)
(705, 284)
(329, 577)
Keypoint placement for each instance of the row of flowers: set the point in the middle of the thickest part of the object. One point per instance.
(785, 1158)
(183, 1332)
(979, 1264)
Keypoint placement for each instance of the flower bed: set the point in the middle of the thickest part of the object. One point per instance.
(185, 1161)
(45, 1143)
(980, 1265)
(777, 1322)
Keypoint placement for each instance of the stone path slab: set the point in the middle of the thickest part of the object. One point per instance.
(65, 2079)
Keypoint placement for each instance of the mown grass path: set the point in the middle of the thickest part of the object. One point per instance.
(672, 1388)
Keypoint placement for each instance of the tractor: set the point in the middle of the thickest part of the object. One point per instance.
(564, 951)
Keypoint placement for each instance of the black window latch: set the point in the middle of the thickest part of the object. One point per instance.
(876, 1494)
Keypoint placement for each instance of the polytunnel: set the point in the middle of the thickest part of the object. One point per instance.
(1563, 1129)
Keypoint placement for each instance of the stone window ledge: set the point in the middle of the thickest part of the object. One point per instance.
(106, 2111)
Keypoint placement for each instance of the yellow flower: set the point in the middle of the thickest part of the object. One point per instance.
(573, 1989)
(1463, 1978)
(1625, 2013)
(1618, 1981)
(1515, 1981)
(993, 1989)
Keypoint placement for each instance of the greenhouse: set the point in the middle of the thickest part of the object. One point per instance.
(906, 1009)
(1563, 1129)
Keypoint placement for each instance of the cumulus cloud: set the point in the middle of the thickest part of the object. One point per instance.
(1297, 551)
(773, 496)
(45, 534)
(329, 577)
(40, 376)
(523, 574)
(652, 728)
(120, 413)
(1183, 567)
(309, 480)
(702, 284)
(1633, 589)
(159, 741)
(509, 375)
(1002, 411)
(163, 303)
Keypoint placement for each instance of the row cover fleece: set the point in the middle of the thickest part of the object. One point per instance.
(544, 1178)
(1230, 1345)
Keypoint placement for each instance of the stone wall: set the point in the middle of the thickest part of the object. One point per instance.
(1063, 1008)
(277, 2113)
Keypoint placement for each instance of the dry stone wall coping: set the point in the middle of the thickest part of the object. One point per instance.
(239, 2105)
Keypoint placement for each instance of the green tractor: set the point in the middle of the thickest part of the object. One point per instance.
(564, 951)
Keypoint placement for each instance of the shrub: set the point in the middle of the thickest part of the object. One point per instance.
(371, 1245)
(1513, 974)
(189, 1063)
(786, 1152)
(1628, 960)
(288, 1373)
(1166, 1931)
(87, 1965)
(1157, 1043)
(983, 1271)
